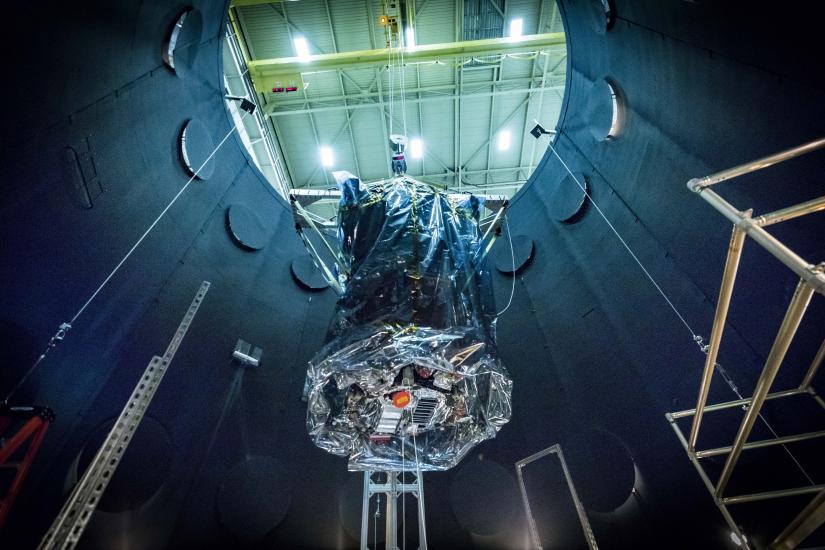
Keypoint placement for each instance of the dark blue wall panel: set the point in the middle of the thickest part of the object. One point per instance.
(596, 354)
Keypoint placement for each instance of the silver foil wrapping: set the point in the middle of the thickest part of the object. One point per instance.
(409, 377)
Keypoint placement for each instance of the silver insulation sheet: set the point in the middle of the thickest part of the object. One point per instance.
(409, 378)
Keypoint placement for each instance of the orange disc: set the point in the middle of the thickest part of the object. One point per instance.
(401, 399)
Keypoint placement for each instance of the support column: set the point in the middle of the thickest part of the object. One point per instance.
(393, 489)
(391, 539)
(728, 277)
(787, 330)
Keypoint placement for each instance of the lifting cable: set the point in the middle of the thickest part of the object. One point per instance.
(390, 81)
(375, 517)
(66, 326)
(395, 61)
(696, 337)
(402, 70)
(403, 492)
(422, 528)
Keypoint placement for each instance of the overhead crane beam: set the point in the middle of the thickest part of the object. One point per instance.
(370, 91)
(271, 110)
(266, 73)
(240, 3)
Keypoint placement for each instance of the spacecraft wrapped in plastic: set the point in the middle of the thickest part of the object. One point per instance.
(409, 377)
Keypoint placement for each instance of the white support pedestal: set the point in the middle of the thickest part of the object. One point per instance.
(393, 486)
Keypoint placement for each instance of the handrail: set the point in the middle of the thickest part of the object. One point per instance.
(812, 279)
(697, 184)
(813, 275)
(791, 212)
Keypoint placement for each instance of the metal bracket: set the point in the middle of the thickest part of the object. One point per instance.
(73, 518)
(247, 354)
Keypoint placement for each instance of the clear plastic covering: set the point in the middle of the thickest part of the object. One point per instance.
(409, 377)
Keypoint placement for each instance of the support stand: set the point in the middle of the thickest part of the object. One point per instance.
(812, 280)
(393, 486)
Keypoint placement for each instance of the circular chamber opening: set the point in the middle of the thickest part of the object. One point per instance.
(611, 471)
(511, 262)
(301, 120)
(196, 147)
(566, 197)
(617, 108)
(606, 110)
(180, 49)
(246, 228)
(306, 274)
(609, 10)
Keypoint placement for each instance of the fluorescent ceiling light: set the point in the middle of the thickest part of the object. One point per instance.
(416, 148)
(301, 47)
(327, 158)
(504, 140)
(410, 38)
(516, 27)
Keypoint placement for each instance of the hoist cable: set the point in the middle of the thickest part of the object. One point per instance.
(696, 337)
(66, 326)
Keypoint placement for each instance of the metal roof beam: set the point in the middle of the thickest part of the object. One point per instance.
(471, 88)
(530, 105)
(236, 3)
(293, 28)
(333, 142)
(500, 126)
(377, 82)
(384, 118)
(266, 72)
(289, 28)
(537, 113)
(373, 104)
(420, 113)
(418, 9)
(496, 78)
(343, 90)
(498, 9)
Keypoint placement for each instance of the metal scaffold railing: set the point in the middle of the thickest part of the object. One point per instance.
(812, 280)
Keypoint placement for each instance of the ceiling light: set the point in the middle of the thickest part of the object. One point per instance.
(416, 148)
(327, 158)
(516, 27)
(301, 47)
(410, 39)
(504, 140)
